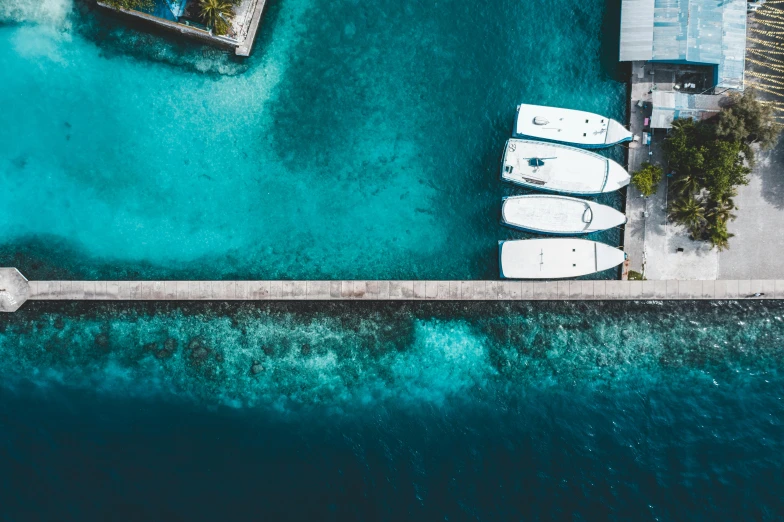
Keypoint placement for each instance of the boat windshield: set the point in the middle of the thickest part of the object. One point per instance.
(587, 215)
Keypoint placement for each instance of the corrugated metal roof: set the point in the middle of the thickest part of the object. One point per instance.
(696, 31)
(733, 63)
(636, 30)
(670, 19)
(670, 105)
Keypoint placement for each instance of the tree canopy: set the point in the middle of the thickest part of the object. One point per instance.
(700, 162)
(217, 14)
(709, 159)
(137, 5)
(747, 121)
(647, 178)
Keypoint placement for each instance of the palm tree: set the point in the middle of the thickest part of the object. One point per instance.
(688, 184)
(216, 14)
(721, 210)
(689, 212)
(719, 236)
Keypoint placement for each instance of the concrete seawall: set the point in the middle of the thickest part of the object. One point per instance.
(241, 46)
(17, 290)
(400, 290)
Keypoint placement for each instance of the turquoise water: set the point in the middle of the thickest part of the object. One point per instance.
(633, 411)
(330, 355)
(361, 140)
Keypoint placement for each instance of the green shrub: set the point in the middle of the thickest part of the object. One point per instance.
(136, 5)
(647, 179)
(635, 276)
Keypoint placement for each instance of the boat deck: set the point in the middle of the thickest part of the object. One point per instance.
(547, 212)
(584, 129)
(560, 168)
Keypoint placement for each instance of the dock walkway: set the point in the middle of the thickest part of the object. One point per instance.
(17, 290)
(246, 45)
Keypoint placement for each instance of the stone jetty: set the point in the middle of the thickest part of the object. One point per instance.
(15, 290)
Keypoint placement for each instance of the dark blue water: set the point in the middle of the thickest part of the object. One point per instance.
(393, 412)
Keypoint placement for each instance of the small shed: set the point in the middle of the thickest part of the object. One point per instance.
(669, 106)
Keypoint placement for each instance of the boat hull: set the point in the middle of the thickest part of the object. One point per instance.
(555, 258)
(570, 143)
(570, 127)
(560, 168)
(558, 215)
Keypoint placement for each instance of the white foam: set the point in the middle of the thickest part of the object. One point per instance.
(45, 12)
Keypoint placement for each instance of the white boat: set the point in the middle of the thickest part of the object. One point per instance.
(559, 168)
(583, 129)
(555, 258)
(552, 214)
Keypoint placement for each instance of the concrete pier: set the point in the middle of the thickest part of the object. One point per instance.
(246, 46)
(17, 290)
(242, 44)
(14, 289)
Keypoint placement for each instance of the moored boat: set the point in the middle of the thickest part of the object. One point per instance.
(559, 168)
(553, 214)
(555, 258)
(579, 128)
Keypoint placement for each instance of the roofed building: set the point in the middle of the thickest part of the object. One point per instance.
(703, 32)
(668, 106)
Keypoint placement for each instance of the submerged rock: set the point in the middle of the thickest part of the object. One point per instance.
(150, 347)
(305, 350)
(59, 322)
(256, 368)
(170, 344)
(163, 354)
(200, 353)
(102, 340)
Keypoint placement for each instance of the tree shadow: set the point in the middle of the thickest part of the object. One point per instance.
(770, 168)
(636, 225)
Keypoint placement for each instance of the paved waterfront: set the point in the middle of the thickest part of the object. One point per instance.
(652, 242)
(657, 248)
(757, 249)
